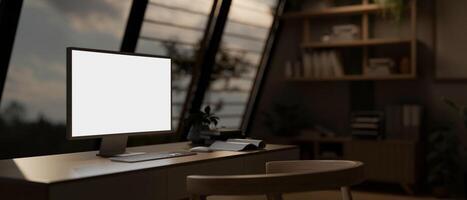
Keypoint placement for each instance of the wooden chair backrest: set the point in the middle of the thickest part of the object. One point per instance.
(281, 177)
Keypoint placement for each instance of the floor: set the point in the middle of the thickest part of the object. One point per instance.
(331, 195)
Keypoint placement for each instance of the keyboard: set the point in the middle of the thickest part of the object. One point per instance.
(151, 156)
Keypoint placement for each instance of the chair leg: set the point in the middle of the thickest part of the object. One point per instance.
(277, 196)
(197, 197)
(346, 195)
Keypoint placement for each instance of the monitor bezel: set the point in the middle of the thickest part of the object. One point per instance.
(69, 110)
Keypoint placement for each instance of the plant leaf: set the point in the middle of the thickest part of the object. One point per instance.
(207, 110)
(452, 104)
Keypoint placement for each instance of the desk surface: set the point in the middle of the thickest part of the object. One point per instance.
(67, 167)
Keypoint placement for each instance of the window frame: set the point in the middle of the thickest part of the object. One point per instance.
(10, 11)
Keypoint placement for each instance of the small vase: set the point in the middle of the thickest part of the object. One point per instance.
(194, 135)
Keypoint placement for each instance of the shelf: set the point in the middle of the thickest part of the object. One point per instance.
(356, 43)
(340, 10)
(357, 77)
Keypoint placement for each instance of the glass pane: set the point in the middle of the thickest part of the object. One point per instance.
(33, 104)
(174, 28)
(238, 60)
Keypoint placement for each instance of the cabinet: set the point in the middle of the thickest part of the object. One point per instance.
(389, 161)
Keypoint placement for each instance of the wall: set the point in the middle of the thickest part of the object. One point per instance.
(328, 103)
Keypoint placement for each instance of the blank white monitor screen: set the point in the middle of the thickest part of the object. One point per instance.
(118, 93)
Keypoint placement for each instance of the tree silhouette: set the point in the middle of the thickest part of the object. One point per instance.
(227, 66)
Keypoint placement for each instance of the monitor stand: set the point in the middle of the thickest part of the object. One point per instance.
(114, 146)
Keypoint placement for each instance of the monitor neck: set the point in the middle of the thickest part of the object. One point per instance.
(113, 145)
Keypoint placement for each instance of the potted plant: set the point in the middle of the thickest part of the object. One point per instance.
(393, 9)
(442, 159)
(200, 121)
(462, 112)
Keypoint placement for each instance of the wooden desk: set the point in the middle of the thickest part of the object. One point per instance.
(86, 176)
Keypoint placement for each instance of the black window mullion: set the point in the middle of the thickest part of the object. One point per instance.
(206, 60)
(10, 11)
(261, 75)
(133, 26)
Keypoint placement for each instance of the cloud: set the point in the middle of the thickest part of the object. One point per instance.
(104, 16)
(41, 96)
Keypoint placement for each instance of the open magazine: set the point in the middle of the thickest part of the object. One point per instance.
(237, 145)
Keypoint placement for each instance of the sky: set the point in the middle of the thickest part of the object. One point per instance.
(36, 76)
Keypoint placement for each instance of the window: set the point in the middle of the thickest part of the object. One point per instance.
(33, 107)
(238, 59)
(175, 28)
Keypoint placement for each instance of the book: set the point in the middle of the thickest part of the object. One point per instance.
(415, 118)
(288, 69)
(365, 125)
(307, 64)
(316, 63)
(403, 121)
(367, 119)
(336, 64)
(237, 145)
(406, 121)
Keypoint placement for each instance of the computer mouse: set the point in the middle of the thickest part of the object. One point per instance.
(200, 149)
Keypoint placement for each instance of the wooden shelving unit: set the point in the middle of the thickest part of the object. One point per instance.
(365, 9)
(341, 10)
(358, 43)
(357, 77)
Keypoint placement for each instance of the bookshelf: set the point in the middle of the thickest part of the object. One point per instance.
(364, 10)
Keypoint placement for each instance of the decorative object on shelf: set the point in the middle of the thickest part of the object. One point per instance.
(381, 66)
(443, 161)
(393, 9)
(345, 32)
(200, 121)
(367, 124)
(326, 38)
(404, 66)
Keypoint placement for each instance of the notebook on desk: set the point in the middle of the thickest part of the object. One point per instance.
(237, 145)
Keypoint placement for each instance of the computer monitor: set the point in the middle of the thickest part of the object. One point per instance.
(112, 95)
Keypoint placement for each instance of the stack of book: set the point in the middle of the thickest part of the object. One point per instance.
(345, 32)
(403, 121)
(367, 124)
(322, 64)
(381, 66)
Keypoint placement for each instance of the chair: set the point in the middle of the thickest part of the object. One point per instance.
(281, 177)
